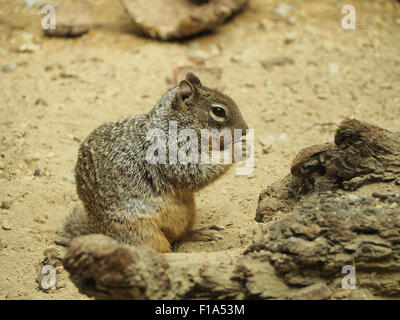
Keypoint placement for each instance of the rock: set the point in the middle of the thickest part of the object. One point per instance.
(352, 197)
(6, 205)
(30, 158)
(69, 179)
(386, 85)
(317, 291)
(23, 41)
(267, 149)
(333, 68)
(6, 226)
(177, 19)
(30, 3)
(41, 101)
(28, 47)
(73, 20)
(3, 244)
(197, 55)
(265, 25)
(9, 67)
(51, 252)
(236, 59)
(282, 138)
(278, 61)
(267, 141)
(292, 20)
(290, 37)
(283, 10)
(37, 172)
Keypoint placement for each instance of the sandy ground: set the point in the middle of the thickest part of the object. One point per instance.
(54, 97)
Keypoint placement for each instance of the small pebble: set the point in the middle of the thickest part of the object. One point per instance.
(279, 61)
(333, 68)
(9, 67)
(30, 3)
(40, 101)
(6, 205)
(198, 56)
(267, 149)
(282, 138)
(32, 158)
(283, 10)
(69, 179)
(6, 226)
(290, 37)
(352, 197)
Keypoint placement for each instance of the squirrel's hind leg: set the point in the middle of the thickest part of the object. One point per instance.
(205, 234)
(140, 232)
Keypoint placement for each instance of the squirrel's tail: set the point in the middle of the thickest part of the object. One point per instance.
(77, 223)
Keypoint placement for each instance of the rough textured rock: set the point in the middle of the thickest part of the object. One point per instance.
(176, 19)
(72, 20)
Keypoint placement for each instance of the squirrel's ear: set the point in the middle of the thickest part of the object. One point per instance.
(185, 91)
(193, 79)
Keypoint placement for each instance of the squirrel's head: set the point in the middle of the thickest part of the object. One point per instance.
(207, 108)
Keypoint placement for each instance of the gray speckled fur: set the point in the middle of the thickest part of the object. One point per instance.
(117, 184)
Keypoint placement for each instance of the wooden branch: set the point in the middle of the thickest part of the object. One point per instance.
(362, 154)
(326, 232)
(102, 268)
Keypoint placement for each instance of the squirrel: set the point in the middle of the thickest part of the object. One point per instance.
(138, 203)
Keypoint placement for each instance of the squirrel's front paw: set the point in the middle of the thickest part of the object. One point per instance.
(206, 234)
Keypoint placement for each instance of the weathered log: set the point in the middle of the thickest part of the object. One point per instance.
(326, 232)
(361, 154)
(102, 268)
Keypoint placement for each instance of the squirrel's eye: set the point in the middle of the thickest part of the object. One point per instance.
(219, 112)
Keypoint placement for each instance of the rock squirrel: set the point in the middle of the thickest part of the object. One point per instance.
(143, 204)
